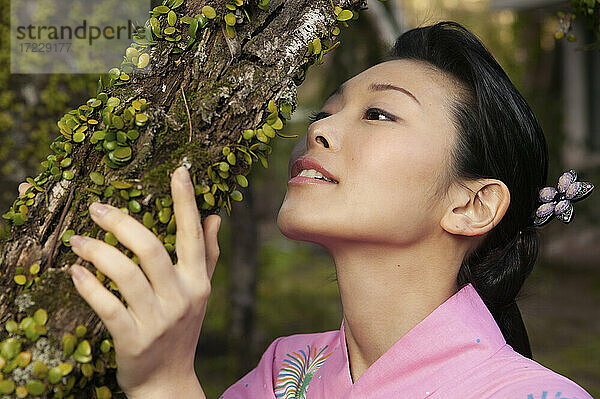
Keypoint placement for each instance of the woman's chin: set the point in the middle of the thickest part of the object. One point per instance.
(298, 225)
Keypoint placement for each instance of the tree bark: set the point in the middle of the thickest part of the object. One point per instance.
(227, 84)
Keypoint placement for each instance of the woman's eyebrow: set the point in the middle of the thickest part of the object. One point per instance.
(378, 87)
(387, 86)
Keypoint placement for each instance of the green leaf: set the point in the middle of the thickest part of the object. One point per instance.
(132, 134)
(141, 119)
(68, 175)
(161, 9)
(155, 24)
(35, 387)
(268, 130)
(164, 215)
(317, 45)
(134, 206)
(120, 184)
(10, 348)
(105, 346)
(110, 239)
(209, 199)
(113, 102)
(148, 220)
(231, 158)
(263, 5)
(193, 27)
(263, 160)
(114, 73)
(344, 15)
(241, 180)
(123, 152)
(78, 137)
(54, 375)
(97, 178)
(171, 18)
(230, 19)
(209, 12)
(236, 195)
(40, 317)
(7, 386)
(65, 163)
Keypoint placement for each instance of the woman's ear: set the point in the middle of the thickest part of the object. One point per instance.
(476, 207)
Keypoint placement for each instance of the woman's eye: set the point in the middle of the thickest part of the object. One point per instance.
(315, 116)
(375, 113)
(378, 113)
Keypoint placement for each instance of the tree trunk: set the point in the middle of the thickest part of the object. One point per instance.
(242, 280)
(228, 83)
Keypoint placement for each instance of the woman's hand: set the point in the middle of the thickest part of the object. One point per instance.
(155, 336)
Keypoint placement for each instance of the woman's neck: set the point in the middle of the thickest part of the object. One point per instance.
(386, 291)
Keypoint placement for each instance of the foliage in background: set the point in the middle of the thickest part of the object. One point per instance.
(30, 105)
(589, 11)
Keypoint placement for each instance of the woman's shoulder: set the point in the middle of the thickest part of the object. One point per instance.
(508, 374)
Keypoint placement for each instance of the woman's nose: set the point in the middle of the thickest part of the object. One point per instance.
(317, 135)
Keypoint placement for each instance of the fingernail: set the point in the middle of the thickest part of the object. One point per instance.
(76, 241)
(183, 175)
(23, 188)
(98, 209)
(76, 272)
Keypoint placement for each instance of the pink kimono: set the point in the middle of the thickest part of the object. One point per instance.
(457, 351)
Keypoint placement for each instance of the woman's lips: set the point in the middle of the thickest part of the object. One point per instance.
(306, 163)
(307, 180)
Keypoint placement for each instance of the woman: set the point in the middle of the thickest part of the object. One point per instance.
(430, 164)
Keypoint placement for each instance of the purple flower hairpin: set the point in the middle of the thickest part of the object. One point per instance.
(558, 201)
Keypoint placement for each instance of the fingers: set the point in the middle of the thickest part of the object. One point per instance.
(128, 277)
(23, 188)
(212, 224)
(108, 307)
(153, 256)
(190, 235)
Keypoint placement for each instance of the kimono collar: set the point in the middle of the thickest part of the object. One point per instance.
(457, 336)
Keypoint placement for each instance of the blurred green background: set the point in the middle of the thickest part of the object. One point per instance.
(287, 287)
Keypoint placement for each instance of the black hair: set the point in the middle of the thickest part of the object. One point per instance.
(498, 137)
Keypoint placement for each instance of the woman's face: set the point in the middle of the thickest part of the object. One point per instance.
(386, 140)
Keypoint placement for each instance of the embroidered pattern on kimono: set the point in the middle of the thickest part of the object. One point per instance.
(297, 371)
(545, 395)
